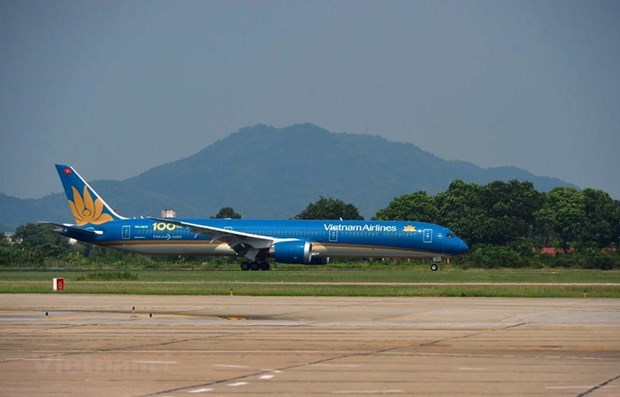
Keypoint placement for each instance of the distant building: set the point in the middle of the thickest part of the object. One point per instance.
(553, 250)
(10, 237)
(548, 250)
(168, 213)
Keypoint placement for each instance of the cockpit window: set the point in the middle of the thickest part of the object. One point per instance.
(450, 235)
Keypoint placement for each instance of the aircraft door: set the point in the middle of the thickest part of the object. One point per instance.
(428, 236)
(126, 232)
(333, 236)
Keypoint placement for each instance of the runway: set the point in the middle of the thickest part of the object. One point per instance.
(97, 345)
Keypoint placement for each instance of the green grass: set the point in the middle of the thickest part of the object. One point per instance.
(300, 273)
(139, 288)
(316, 281)
(108, 276)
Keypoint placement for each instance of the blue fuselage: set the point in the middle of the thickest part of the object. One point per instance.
(328, 237)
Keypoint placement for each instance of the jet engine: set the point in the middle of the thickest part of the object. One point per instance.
(297, 251)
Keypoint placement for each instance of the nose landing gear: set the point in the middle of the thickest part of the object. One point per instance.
(435, 265)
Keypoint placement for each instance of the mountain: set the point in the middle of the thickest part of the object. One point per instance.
(267, 172)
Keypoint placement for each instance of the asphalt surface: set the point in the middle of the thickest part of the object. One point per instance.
(97, 345)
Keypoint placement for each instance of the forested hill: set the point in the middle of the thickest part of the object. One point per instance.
(267, 172)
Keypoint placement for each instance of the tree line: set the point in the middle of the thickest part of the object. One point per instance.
(507, 224)
(504, 223)
(501, 214)
(508, 213)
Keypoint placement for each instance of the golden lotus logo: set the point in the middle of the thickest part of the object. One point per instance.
(409, 228)
(85, 210)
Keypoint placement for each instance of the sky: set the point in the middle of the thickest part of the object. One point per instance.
(117, 87)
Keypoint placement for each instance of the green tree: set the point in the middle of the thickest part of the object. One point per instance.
(518, 199)
(227, 212)
(460, 209)
(417, 206)
(510, 207)
(616, 222)
(330, 208)
(601, 219)
(7, 251)
(37, 242)
(562, 216)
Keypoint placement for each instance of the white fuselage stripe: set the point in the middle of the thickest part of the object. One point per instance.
(208, 248)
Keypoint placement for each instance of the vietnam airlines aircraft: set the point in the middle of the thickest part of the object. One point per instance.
(284, 241)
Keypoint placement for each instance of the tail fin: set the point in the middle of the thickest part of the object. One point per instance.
(85, 204)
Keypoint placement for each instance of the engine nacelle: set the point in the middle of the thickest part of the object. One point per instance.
(297, 251)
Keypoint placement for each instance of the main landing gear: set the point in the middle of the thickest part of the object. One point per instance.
(255, 266)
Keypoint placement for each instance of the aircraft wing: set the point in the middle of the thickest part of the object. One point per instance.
(239, 241)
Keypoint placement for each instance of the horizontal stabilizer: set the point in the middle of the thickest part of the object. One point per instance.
(64, 228)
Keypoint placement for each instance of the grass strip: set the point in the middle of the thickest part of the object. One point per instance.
(317, 281)
(318, 274)
(284, 289)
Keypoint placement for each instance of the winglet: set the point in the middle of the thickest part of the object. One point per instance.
(86, 205)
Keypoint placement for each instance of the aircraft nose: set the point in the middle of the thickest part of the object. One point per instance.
(462, 247)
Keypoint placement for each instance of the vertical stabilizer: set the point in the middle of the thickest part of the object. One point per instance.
(86, 205)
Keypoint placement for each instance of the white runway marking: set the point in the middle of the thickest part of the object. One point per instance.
(237, 384)
(391, 391)
(203, 390)
(153, 362)
(230, 366)
(266, 377)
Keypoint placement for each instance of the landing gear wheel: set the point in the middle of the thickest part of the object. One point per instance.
(254, 266)
(245, 266)
(434, 267)
(264, 266)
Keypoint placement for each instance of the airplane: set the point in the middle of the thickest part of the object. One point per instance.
(311, 242)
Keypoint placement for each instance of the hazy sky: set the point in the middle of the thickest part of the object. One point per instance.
(117, 87)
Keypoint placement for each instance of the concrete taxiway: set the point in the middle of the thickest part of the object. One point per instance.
(98, 345)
